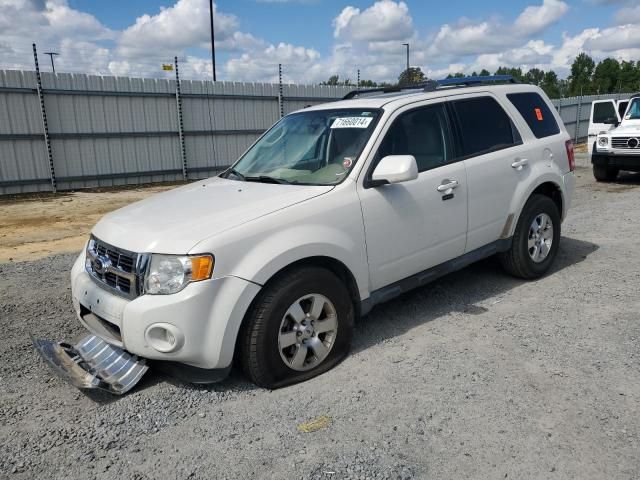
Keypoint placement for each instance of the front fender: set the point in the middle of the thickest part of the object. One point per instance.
(310, 241)
(329, 226)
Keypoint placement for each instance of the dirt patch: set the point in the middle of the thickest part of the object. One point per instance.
(36, 226)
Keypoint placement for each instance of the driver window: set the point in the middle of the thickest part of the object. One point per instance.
(423, 133)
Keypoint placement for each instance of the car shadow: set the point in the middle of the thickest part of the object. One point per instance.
(628, 178)
(475, 284)
(467, 289)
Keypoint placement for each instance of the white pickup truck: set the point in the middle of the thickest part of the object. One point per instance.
(614, 134)
(336, 208)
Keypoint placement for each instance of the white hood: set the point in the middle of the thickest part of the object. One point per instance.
(628, 127)
(176, 220)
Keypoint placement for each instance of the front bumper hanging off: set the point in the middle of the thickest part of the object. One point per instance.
(93, 363)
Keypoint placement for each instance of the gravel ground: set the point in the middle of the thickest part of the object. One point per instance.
(475, 376)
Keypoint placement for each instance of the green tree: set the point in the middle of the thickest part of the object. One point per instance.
(411, 76)
(550, 84)
(514, 72)
(368, 83)
(335, 80)
(581, 77)
(534, 76)
(629, 77)
(606, 76)
(485, 73)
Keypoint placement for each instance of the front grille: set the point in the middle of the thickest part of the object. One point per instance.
(629, 143)
(115, 268)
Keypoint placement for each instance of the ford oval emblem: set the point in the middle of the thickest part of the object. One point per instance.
(100, 264)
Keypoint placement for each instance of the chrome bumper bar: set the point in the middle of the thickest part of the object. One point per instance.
(93, 363)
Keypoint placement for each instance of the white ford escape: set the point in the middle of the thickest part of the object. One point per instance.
(335, 209)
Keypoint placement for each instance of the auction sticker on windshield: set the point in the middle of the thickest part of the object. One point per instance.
(352, 122)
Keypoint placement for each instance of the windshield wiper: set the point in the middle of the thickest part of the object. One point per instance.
(266, 179)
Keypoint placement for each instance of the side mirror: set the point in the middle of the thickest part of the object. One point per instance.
(611, 121)
(394, 169)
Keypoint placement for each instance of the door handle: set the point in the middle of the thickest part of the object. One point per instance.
(447, 185)
(519, 164)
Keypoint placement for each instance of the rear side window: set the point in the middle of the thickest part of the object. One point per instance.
(536, 113)
(485, 126)
(604, 112)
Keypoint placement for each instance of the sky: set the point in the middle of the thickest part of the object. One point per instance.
(314, 39)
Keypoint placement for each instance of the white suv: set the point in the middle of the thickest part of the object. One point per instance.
(336, 208)
(617, 148)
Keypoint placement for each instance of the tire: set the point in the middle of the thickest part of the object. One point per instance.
(604, 173)
(519, 259)
(273, 320)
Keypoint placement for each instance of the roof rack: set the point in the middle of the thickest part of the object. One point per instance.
(432, 85)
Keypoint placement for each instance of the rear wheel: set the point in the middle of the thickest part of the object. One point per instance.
(299, 326)
(535, 242)
(604, 173)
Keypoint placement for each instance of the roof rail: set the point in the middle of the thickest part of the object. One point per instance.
(431, 85)
(476, 80)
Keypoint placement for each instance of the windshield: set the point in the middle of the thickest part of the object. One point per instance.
(318, 147)
(634, 110)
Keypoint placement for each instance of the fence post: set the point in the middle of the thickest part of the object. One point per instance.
(45, 125)
(280, 96)
(578, 116)
(358, 84)
(183, 150)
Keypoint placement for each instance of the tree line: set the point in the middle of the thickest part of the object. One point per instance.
(587, 77)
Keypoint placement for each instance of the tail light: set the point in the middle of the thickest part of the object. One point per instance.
(571, 155)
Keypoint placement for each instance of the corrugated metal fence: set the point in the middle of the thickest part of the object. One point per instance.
(106, 131)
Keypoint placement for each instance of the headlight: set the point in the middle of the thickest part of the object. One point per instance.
(603, 141)
(171, 273)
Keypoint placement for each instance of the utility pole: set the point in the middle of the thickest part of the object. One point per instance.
(213, 46)
(51, 55)
(408, 77)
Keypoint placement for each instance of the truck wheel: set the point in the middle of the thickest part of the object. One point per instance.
(605, 173)
(535, 242)
(299, 326)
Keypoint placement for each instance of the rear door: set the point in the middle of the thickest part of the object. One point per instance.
(495, 161)
(604, 113)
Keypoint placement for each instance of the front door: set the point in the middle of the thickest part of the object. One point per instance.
(604, 115)
(415, 225)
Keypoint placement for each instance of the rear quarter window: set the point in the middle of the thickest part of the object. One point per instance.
(536, 113)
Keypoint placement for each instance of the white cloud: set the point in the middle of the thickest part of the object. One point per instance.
(385, 20)
(628, 15)
(492, 36)
(184, 25)
(536, 18)
(258, 65)
(366, 39)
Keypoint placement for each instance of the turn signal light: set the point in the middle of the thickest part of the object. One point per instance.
(201, 268)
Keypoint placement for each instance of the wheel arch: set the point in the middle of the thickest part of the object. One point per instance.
(329, 263)
(549, 188)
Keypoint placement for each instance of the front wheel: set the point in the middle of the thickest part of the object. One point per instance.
(535, 242)
(604, 173)
(300, 326)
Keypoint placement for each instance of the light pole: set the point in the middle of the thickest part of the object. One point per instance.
(408, 77)
(51, 55)
(213, 46)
